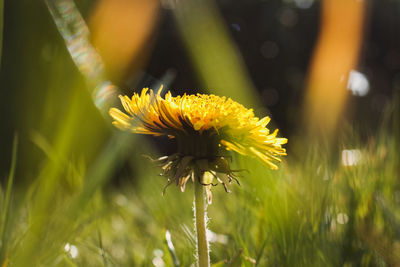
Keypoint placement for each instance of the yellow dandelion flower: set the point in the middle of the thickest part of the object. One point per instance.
(201, 125)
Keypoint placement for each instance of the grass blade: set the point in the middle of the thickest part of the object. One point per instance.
(171, 249)
(6, 208)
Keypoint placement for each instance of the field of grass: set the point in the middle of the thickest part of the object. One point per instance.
(80, 193)
(314, 211)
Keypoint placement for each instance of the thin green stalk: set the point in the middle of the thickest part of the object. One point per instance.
(5, 214)
(103, 253)
(201, 230)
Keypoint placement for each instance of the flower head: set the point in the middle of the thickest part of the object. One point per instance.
(201, 124)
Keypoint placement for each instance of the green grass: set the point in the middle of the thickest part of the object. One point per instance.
(68, 211)
(312, 212)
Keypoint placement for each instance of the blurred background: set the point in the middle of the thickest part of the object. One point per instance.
(327, 72)
(140, 43)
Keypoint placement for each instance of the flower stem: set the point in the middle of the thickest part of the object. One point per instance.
(200, 214)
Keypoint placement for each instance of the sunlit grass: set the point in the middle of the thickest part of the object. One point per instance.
(314, 211)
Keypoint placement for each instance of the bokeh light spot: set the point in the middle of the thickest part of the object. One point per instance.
(288, 17)
(304, 4)
(358, 83)
(270, 96)
(269, 49)
(351, 157)
(342, 218)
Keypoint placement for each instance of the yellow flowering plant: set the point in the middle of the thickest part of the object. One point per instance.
(205, 128)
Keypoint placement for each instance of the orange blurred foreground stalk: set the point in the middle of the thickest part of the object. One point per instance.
(121, 30)
(336, 54)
